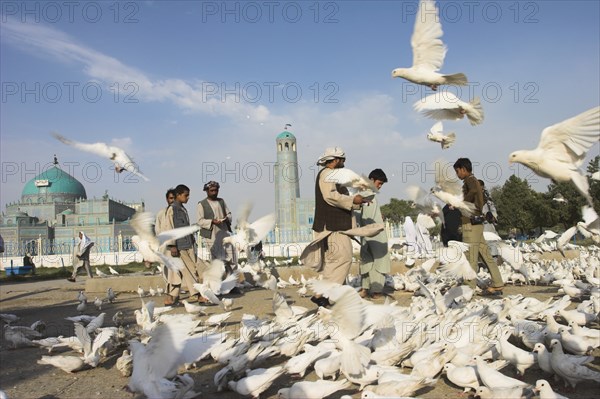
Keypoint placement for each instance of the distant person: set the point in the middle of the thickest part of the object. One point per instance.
(28, 261)
(214, 219)
(451, 228)
(375, 259)
(489, 208)
(184, 248)
(83, 255)
(161, 224)
(472, 228)
(1, 244)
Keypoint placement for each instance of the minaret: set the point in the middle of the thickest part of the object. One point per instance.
(287, 185)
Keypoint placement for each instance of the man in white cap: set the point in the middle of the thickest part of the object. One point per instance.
(333, 212)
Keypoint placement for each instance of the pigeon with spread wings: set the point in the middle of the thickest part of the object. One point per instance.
(120, 158)
(250, 234)
(436, 134)
(445, 105)
(562, 149)
(151, 246)
(428, 51)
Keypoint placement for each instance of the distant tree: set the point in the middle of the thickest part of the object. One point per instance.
(397, 210)
(593, 167)
(568, 212)
(516, 202)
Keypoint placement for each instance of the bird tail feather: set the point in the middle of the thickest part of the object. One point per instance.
(476, 117)
(459, 79)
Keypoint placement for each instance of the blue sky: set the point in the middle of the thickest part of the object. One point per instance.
(198, 90)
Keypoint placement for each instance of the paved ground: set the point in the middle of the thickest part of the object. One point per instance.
(51, 301)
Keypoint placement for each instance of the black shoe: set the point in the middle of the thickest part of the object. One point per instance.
(71, 279)
(320, 301)
(235, 291)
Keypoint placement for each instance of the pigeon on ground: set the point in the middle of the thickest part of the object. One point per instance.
(545, 390)
(256, 381)
(312, 389)
(120, 158)
(113, 271)
(428, 51)
(562, 149)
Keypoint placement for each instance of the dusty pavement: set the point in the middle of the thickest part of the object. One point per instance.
(52, 301)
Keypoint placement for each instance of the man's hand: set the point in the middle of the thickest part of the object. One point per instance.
(358, 199)
(174, 252)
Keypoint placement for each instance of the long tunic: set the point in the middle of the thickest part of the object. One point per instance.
(374, 250)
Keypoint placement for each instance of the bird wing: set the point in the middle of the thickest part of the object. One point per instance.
(282, 310)
(445, 178)
(425, 221)
(437, 129)
(428, 49)
(442, 100)
(101, 149)
(212, 276)
(84, 337)
(348, 312)
(349, 178)
(570, 140)
(142, 223)
(260, 228)
(174, 234)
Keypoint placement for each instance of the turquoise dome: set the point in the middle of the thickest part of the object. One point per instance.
(59, 182)
(285, 135)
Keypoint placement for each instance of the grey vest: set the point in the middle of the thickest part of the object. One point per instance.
(209, 214)
(335, 219)
(181, 219)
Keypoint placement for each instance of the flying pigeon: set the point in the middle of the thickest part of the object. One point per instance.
(436, 134)
(120, 158)
(428, 51)
(562, 149)
(445, 105)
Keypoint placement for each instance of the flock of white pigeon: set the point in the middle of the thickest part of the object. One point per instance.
(380, 350)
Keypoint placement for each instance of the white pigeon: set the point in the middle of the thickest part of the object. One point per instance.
(250, 234)
(171, 346)
(445, 105)
(256, 381)
(436, 134)
(119, 157)
(91, 354)
(125, 363)
(312, 389)
(354, 182)
(151, 245)
(562, 149)
(494, 379)
(100, 273)
(68, 364)
(193, 308)
(140, 291)
(590, 226)
(110, 295)
(449, 188)
(113, 271)
(546, 391)
(428, 51)
(571, 372)
(98, 303)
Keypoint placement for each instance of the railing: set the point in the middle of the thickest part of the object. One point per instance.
(120, 247)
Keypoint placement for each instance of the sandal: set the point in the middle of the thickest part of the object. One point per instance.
(170, 301)
(491, 291)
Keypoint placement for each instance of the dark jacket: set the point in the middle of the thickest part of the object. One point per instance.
(181, 219)
(336, 219)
